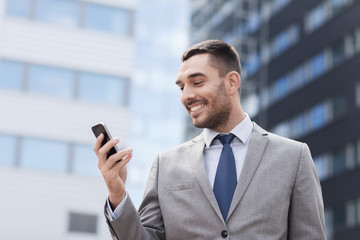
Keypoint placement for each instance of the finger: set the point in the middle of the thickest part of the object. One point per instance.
(97, 146)
(121, 164)
(107, 146)
(117, 158)
(98, 142)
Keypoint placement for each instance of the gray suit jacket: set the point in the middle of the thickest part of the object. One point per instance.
(278, 196)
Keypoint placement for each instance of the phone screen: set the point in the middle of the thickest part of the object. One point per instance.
(101, 128)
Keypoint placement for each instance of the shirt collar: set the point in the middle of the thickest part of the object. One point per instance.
(242, 131)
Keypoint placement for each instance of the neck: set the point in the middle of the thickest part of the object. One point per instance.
(235, 118)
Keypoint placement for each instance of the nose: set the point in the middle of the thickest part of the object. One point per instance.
(187, 95)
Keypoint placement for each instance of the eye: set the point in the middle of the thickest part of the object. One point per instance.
(197, 83)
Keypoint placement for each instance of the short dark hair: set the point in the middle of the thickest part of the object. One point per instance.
(224, 56)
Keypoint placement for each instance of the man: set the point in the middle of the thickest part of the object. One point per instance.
(276, 193)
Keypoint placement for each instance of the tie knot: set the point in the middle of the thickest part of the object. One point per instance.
(225, 139)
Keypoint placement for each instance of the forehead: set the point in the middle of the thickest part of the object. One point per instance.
(200, 63)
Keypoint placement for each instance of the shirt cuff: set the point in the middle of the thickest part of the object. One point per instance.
(118, 210)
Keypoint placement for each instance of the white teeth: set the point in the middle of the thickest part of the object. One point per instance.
(197, 107)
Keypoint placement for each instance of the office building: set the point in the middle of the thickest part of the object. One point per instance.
(64, 66)
(300, 80)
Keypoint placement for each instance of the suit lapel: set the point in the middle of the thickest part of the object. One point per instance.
(252, 160)
(196, 155)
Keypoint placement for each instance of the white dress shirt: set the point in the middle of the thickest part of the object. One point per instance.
(212, 151)
(239, 145)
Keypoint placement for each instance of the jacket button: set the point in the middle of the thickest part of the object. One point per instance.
(224, 234)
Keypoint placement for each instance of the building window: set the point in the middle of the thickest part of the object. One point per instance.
(44, 154)
(8, 150)
(281, 88)
(84, 160)
(339, 106)
(82, 223)
(338, 52)
(339, 160)
(297, 78)
(316, 17)
(322, 166)
(103, 18)
(253, 63)
(64, 12)
(51, 81)
(11, 75)
(318, 116)
(71, 13)
(284, 40)
(337, 5)
(103, 88)
(317, 65)
(62, 83)
(298, 126)
(18, 8)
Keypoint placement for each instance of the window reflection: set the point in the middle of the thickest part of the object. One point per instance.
(7, 150)
(318, 116)
(102, 88)
(339, 160)
(11, 74)
(318, 65)
(44, 154)
(63, 12)
(321, 164)
(115, 20)
(18, 8)
(51, 81)
(61, 83)
(72, 13)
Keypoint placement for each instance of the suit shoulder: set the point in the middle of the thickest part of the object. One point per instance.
(277, 139)
(283, 140)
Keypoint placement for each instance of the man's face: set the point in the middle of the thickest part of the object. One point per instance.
(203, 93)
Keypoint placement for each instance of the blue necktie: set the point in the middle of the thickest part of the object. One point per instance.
(225, 178)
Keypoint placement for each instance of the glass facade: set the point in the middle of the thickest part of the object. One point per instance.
(312, 119)
(18, 8)
(8, 145)
(11, 75)
(49, 155)
(50, 81)
(63, 83)
(310, 70)
(103, 88)
(64, 12)
(44, 154)
(109, 19)
(74, 14)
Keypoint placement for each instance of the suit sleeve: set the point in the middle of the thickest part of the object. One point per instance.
(145, 224)
(306, 215)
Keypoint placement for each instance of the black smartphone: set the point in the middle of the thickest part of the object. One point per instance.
(101, 128)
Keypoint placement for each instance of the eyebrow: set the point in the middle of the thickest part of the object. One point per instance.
(193, 75)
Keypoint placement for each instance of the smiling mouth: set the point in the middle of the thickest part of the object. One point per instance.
(197, 107)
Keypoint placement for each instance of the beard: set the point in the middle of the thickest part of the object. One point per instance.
(218, 112)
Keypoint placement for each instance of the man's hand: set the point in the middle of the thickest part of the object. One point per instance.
(113, 169)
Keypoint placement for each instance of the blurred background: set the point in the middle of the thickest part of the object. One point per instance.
(66, 65)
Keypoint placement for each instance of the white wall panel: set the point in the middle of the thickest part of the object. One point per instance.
(35, 204)
(71, 48)
(49, 117)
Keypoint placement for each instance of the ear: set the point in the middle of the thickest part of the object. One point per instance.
(233, 82)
